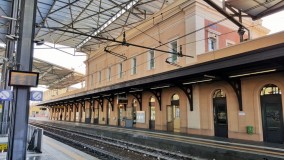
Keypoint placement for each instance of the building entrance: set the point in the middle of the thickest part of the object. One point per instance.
(173, 115)
(152, 113)
(220, 114)
(272, 115)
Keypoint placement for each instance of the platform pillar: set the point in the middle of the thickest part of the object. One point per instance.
(24, 58)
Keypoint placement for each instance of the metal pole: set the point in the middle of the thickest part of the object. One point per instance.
(19, 126)
(8, 54)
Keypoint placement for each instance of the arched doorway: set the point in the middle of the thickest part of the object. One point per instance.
(134, 109)
(120, 114)
(108, 113)
(173, 114)
(96, 108)
(152, 113)
(272, 115)
(220, 114)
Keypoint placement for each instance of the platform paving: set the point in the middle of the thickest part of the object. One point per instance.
(55, 150)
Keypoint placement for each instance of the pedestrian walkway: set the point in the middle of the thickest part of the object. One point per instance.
(55, 150)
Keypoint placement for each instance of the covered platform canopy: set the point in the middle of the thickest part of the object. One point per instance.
(256, 8)
(103, 18)
(109, 18)
(55, 76)
(51, 75)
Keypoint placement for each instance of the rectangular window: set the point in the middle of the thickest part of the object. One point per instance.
(151, 60)
(173, 46)
(109, 74)
(92, 80)
(133, 66)
(120, 70)
(100, 76)
(212, 44)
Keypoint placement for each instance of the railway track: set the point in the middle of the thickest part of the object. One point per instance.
(109, 148)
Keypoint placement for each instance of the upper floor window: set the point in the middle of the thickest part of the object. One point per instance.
(109, 74)
(151, 59)
(92, 80)
(133, 65)
(120, 70)
(173, 46)
(100, 76)
(212, 43)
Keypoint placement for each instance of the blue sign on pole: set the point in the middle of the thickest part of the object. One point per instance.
(6, 95)
(36, 96)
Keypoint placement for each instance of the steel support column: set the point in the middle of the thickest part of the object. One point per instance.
(8, 54)
(20, 110)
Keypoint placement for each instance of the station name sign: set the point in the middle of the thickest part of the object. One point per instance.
(22, 78)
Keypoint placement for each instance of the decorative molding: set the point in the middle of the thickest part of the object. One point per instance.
(188, 91)
(138, 96)
(100, 100)
(110, 99)
(237, 87)
(158, 94)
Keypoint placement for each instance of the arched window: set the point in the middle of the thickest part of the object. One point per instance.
(219, 93)
(132, 111)
(152, 108)
(270, 89)
(175, 104)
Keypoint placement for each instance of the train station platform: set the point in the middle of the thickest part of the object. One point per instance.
(55, 150)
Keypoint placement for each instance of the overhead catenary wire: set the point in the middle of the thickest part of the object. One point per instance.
(129, 69)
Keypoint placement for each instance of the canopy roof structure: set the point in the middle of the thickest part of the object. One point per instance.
(256, 9)
(105, 18)
(55, 76)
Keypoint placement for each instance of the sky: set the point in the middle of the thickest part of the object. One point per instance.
(61, 58)
(274, 22)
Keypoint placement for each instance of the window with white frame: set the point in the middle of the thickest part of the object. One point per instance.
(133, 65)
(212, 44)
(100, 76)
(213, 41)
(173, 47)
(151, 59)
(120, 72)
(109, 74)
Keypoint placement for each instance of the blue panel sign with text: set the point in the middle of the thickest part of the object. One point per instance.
(36, 95)
(6, 95)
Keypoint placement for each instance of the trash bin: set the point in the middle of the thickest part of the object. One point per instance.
(249, 129)
(128, 123)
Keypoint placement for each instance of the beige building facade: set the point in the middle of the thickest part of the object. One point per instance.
(226, 89)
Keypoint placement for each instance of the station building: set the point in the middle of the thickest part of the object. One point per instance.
(217, 87)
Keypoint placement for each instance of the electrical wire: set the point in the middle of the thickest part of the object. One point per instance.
(129, 69)
(161, 45)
